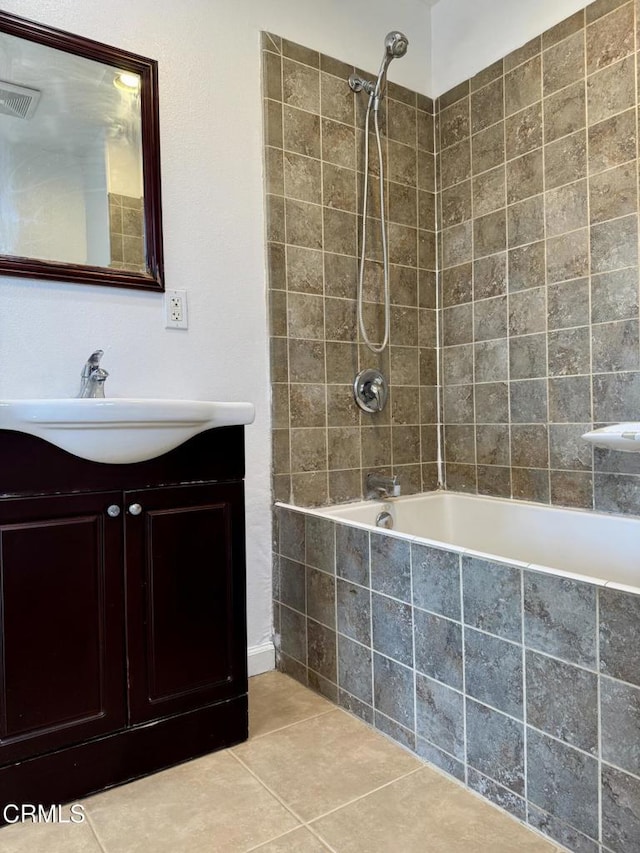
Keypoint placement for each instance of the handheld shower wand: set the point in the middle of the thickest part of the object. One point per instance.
(395, 45)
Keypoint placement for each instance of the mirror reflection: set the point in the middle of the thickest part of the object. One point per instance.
(70, 158)
(80, 197)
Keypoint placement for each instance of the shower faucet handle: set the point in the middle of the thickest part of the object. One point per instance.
(370, 390)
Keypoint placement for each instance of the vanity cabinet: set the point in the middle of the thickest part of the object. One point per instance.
(62, 604)
(179, 567)
(122, 614)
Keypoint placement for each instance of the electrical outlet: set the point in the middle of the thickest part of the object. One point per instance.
(175, 309)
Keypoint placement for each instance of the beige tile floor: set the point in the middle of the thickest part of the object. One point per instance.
(310, 778)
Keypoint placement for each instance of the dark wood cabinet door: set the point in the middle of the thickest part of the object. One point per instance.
(62, 662)
(186, 635)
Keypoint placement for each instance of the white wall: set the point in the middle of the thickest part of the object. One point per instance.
(39, 188)
(211, 135)
(468, 35)
(96, 202)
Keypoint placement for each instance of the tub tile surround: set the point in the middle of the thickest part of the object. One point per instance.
(314, 143)
(523, 685)
(537, 209)
(538, 164)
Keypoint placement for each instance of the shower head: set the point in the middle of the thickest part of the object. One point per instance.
(396, 44)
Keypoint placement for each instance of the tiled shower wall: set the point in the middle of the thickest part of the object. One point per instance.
(539, 188)
(322, 444)
(523, 685)
(126, 232)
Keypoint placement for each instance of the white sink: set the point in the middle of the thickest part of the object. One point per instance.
(117, 430)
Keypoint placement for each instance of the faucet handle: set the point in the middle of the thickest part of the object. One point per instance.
(94, 358)
(92, 363)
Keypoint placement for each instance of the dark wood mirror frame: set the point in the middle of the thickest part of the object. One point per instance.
(153, 279)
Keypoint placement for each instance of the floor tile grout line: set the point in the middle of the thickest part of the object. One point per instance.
(258, 847)
(308, 823)
(357, 799)
(287, 726)
(270, 790)
(322, 840)
(94, 830)
(421, 766)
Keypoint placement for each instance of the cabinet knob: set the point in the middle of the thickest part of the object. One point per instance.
(135, 509)
(113, 511)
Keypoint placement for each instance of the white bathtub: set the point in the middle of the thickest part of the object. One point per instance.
(601, 549)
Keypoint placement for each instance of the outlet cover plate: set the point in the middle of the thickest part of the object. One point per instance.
(175, 309)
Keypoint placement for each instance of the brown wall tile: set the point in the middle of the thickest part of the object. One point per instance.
(614, 244)
(610, 38)
(614, 295)
(402, 122)
(487, 148)
(490, 276)
(528, 356)
(456, 204)
(564, 63)
(523, 131)
(565, 160)
(566, 208)
(487, 75)
(563, 30)
(525, 221)
(487, 105)
(456, 166)
(527, 267)
(612, 141)
(300, 86)
(612, 90)
(538, 256)
(489, 234)
(568, 304)
(564, 112)
(491, 361)
(312, 205)
(454, 123)
(522, 86)
(522, 54)
(524, 176)
(336, 98)
(489, 191)
(272, 76)
(568, 256)
(614, 193)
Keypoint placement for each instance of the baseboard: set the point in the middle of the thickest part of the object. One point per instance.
(261, 658)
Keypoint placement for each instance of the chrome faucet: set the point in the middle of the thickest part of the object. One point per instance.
(93, 376)
(381, 488)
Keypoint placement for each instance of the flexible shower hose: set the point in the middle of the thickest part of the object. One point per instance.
(374, 97)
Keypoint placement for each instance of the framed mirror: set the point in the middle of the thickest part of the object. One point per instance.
(79, 160)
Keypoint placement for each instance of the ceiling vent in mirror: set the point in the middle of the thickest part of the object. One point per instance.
(18, 101)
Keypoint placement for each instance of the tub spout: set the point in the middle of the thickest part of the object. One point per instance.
(379, 487)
